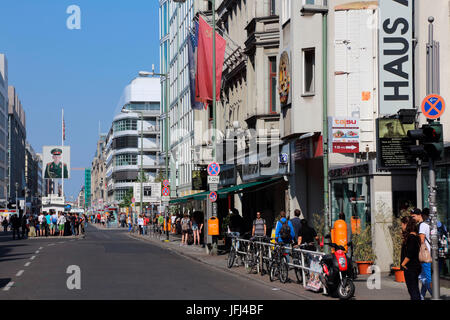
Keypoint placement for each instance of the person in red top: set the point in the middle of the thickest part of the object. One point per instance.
(145, 225)
(99, 218)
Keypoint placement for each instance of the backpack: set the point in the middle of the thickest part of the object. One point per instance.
(185, 224)
(285, 232)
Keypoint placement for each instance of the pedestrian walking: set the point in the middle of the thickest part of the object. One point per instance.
(61, 223)
(141, 225)
(54, 223)
(25, 226)
(410, 263)
(296, 223)
(424, 234)
(15, 224)
(259, 226)
(284, 231)
(48, 220)
(5, 224)
(195, 230)
(41, 220)
(307, 236)
(160, 223)
(185, 228)
(173, 223)
(130, 223)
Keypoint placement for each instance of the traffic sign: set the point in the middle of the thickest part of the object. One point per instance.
(166, 191)
(213, 180)
(213, 169)
(166, 183)
(433, 106)
(165, 198)
(213, 196)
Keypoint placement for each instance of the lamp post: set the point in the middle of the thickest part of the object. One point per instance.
(166, 130)
(17, 203)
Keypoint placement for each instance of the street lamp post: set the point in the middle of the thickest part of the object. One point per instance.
(17, 203)
(166, 133)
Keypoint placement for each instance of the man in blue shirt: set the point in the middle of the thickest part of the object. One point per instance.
(279, 236)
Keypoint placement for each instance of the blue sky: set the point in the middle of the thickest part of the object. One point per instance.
(84, 71)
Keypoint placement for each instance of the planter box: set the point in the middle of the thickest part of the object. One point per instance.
(399, 274)
(363, 266)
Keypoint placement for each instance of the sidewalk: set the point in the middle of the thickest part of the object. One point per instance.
(390, 290)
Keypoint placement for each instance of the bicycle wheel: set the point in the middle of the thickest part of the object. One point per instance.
(298, 272)
(231, 257)
(273, 271)
(284, 271)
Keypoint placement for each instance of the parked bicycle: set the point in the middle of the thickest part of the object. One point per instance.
(237, 251)
(279, 268)
(254, 259)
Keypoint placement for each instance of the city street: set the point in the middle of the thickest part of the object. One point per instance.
(115, 266)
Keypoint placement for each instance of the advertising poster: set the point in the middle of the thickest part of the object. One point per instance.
(344, 135)
(56, 162)
(393, 144)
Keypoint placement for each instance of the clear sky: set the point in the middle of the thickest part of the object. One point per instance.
(84, 71)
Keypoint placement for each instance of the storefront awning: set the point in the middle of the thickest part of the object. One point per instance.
(222, 193)
(225, 191)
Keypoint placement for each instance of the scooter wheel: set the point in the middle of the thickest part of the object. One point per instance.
(346, 292)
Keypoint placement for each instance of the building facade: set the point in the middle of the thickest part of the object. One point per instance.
(141, 101)
(16, 145)
(32, 178)
(98, 175)
(3, 130)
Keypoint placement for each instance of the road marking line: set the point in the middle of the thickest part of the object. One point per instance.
(40, 248)
(32, 258)
(37, 252)
(27, 264)
(20, 273)
(8, 286)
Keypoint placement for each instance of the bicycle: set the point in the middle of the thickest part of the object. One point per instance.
(279, 266)
(234, 252)
(253, 260)
(297, 260)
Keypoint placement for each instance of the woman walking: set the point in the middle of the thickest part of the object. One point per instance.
(185, 227)
(410, 263)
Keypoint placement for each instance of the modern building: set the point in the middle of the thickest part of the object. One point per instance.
(80, 198)
(3, 130)
(16, 145)
(98, 175)
(139, 116)
(32, 177)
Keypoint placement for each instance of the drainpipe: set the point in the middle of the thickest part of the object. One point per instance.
(325, 129)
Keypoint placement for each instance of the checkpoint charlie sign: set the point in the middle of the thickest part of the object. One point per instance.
(396, 56)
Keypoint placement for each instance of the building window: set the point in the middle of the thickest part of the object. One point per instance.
(273, 7)
(126, 124)
(125, 142)
(126, 160)
(309, 64)
(272, 84)
(285, 11)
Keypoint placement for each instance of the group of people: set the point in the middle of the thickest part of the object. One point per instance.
(416, 242)
(44, 224)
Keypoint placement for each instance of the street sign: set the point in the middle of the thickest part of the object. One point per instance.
(344, 135)
(433, 106)
(213, 169)
(166, 183)
(213, 187)
(213, 180)
(166, 191)
(213, 196)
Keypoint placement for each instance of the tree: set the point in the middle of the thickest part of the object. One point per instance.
(126, 201)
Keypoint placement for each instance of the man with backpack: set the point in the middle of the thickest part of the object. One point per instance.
(284, 231)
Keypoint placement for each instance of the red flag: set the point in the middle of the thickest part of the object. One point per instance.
(203, 77)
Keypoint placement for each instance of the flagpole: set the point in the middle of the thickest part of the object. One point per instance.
(62, 153)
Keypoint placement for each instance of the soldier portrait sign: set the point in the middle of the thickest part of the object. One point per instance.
(56, 160)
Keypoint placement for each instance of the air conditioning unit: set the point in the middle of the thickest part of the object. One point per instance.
(314, 6)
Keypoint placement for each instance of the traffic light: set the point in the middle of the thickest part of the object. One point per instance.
(431, 144)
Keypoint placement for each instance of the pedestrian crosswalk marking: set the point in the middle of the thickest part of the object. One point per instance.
(20, 273)
(8, 286)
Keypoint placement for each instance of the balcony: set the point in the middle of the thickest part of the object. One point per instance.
(314, 6)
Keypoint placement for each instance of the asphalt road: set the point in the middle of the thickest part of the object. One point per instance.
(114, 266)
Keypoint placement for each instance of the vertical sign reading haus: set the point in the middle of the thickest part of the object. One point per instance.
(396, 56)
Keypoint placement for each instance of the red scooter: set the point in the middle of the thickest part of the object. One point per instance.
(338, 274)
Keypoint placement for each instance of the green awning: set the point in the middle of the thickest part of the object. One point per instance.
(222, 193)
